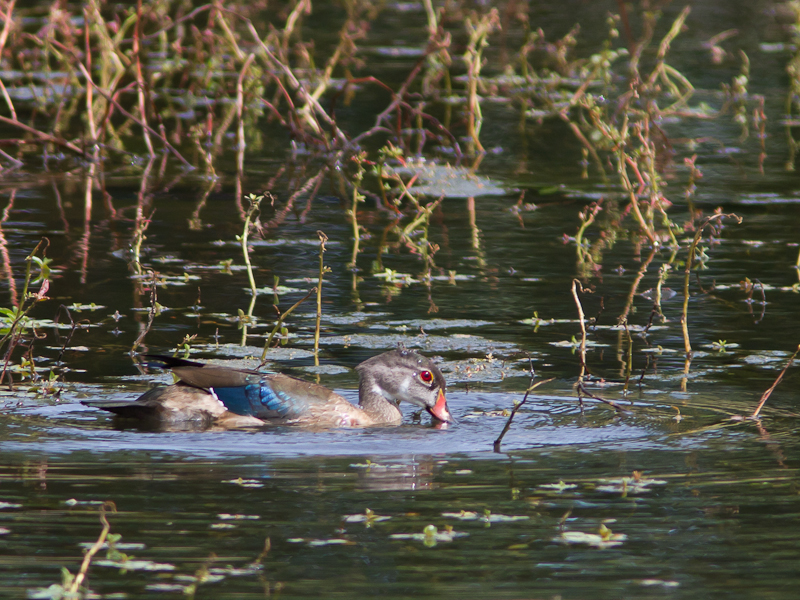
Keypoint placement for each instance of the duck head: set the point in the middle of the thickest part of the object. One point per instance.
(404, 375)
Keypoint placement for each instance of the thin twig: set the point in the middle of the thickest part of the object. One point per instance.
(151, 315)
(140, 79)
(139, 122)
(44, 136)
(300, 89)
(73, 327)
(582, 390)
(768, 393)
(98, 545)
(582, 320)
(280, 321)
(532, 387)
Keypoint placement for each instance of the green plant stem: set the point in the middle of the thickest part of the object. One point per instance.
(280, 322)
(687, 271)
(151, 314)
(354, 217)
(15, 331)
(254, 204)
(98, 545)
(255, 201)
(322, 239)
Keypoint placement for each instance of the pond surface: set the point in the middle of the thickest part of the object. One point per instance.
(677, 496)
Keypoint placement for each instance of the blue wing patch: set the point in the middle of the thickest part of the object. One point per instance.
(236, 399)
(260, 400)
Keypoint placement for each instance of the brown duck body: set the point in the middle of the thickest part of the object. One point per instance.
(211, 394)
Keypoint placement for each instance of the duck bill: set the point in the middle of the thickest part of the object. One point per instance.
(439, 410)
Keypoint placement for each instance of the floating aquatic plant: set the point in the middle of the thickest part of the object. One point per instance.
(605, 538)
(314, 542)
(636, 484)
(558, 487)
(248, 483)
(431, 536)
(368, 518)
(487, 517)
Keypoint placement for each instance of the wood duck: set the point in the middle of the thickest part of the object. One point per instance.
(214, 395)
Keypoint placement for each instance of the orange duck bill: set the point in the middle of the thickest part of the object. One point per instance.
(439, 410)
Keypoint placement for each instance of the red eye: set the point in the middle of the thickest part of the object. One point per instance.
(426, 376)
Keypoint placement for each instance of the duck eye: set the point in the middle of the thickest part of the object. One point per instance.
(426, 376)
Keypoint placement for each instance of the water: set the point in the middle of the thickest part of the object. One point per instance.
(720, 501)
(706, 503)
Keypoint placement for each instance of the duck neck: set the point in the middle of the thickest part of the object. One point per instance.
(375, 404)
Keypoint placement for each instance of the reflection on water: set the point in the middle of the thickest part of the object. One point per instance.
(407, 473)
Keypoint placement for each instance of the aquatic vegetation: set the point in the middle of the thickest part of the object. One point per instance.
(248, 483)
(18, 329)
(636, 484)
(605, 538)
(445, 169)
(487, 517)
(369, 518)
(315, 543)
(558, 487)
(431, 535)
(72, 586)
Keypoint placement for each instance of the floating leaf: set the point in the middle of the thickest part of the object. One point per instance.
(628, 485)
(486, 517)
(368, 517)
(558, 487)
(605, 539)
(430, 536)
(659, 582)
(248, 483)
(321, 542)
(250, 569)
